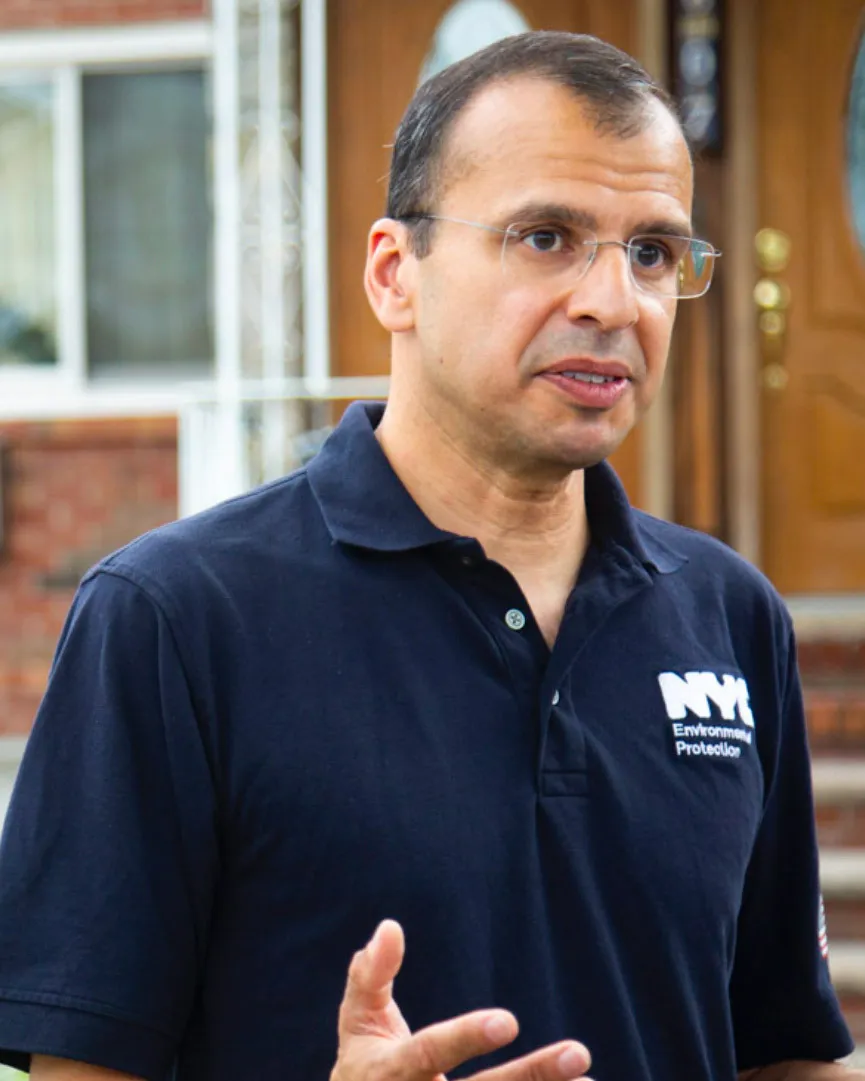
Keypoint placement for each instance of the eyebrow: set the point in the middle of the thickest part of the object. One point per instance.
(532, 212)
(539, 212)
(665, 227)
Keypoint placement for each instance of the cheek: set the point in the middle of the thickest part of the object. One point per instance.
(484, 327)
(655, 332)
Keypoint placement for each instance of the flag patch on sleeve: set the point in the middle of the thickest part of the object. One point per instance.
(822, 937)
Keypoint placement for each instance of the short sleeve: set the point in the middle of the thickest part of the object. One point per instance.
(109, 854)
(783, 1003)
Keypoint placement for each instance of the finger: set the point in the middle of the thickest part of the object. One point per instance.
(371, 974)
(441, 1047)
(566, 1061)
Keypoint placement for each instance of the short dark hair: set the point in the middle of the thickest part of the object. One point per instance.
(615, 89)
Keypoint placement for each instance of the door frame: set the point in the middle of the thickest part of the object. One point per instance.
(814, 615)
(657, 479)
(742, 442)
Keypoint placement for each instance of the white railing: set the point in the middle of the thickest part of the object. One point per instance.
(228, 445)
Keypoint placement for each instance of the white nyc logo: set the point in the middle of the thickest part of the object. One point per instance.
(696, 690)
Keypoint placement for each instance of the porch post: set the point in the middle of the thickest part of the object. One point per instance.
(316, 308)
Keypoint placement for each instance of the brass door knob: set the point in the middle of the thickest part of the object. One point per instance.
(771, 295)
(775, 377)
(773, 250)
(772, 299)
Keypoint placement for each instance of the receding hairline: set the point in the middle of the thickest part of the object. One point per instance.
(452, 164)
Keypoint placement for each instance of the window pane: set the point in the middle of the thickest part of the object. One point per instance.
(27, 292)
(148, 224)
(856, 143)
(467, 26)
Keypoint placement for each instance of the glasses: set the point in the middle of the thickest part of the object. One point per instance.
(674, 267)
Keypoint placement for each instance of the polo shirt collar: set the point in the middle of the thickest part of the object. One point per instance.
(613, 519)
(363, 501)
(365, 504)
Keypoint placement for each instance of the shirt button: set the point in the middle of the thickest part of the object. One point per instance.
(515, 619)
(556, 697)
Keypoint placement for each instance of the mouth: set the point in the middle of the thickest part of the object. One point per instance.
(589, 384)
(587, 377)
(582, 366)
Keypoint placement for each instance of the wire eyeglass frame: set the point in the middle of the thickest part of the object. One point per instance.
(701, 251)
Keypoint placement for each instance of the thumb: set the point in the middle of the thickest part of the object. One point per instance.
(369, 988)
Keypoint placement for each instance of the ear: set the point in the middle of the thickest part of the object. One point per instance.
(387, 275)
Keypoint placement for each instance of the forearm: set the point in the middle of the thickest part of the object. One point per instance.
(47, 1068)
(803, 1071)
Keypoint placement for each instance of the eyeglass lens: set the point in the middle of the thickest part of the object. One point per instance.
(661, 265)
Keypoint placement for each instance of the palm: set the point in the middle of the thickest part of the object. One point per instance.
(378, 1024)
(376, 1044)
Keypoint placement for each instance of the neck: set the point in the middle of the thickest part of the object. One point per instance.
(533, 524)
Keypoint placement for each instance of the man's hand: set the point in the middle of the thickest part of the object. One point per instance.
(375, 1043)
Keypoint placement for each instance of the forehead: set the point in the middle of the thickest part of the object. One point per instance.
(528, 138)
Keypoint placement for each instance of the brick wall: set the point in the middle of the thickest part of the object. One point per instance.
(73, 491)
(36, 14)
(833, 676)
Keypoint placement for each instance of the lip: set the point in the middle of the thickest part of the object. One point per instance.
(613, 369)
(598, 396)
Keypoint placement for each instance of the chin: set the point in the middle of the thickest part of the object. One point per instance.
(587, 458)
(563, 460)
(584, 452)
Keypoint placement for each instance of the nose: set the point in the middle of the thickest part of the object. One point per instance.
(606, 293)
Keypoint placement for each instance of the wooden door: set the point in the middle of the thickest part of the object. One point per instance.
(376, 50)
(813, 378)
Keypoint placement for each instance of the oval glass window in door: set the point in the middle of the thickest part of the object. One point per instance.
(856, 143)
(467, 26)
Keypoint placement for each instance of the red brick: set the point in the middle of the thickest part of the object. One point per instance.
(853, 715)
(853, 1008)
(40, 14)
(841, 827)
(75, 491)
(824, 714)
(825, 659)
(845, 920)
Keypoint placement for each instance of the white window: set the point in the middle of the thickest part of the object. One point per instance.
(147, 224)
(106, 209)
(28, 300)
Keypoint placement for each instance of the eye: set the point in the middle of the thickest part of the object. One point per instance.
(652, 253)
(545, 240)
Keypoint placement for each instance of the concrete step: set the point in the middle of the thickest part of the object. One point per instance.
(842, 878)
(839, 794)
(842, 873)
(838, 779)
(830, 628)
(847, 966)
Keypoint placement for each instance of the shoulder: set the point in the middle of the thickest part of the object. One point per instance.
(705, 556)
(713, 573)
(219, 549)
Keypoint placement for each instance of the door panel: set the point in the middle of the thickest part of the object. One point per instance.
(814, 403)
(376, 50)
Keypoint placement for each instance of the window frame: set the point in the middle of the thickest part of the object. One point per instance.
(63, 58)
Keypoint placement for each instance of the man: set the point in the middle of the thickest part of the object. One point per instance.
(444, 683)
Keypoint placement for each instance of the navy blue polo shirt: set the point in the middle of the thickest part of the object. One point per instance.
(273, 724)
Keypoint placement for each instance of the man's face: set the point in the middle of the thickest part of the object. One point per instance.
(485, 335)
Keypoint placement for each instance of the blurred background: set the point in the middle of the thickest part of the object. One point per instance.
(185, 190)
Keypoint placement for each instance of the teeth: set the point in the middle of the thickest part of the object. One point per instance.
(586, 377)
